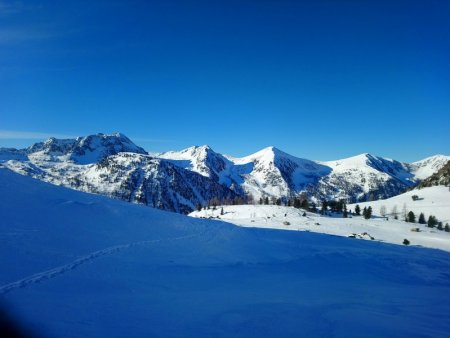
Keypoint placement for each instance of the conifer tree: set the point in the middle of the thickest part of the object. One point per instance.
(367, 212)
(411, 217)
(305, 204)
(422, 218)
(432, 221)
(357, 210)
(324, 207)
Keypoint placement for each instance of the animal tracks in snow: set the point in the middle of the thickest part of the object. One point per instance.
(41, 276)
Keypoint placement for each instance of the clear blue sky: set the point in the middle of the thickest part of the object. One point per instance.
(318, 79)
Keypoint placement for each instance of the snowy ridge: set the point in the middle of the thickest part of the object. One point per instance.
(428, 166)
(179, 180)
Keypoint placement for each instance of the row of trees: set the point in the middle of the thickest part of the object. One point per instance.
(432, 221)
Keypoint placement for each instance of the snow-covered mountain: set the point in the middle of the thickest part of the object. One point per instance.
(178, 180)
(365, 177)
(114, 166)
(428, 166)
(274, 173)
(82, 150)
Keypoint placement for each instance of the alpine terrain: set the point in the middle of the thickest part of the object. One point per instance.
(114, 166)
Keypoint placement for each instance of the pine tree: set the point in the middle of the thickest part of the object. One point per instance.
(411, 217)
(357, 210)
(266, 200)
(345, 212)
(198, 207)
(440, 226)
(432, 221)
(367, 212)
(221, 211)
(447, 227)
(324, 207)
(422, 218)
(297, 203)
(305, 204)
(261, 200)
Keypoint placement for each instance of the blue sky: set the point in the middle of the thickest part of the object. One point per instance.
(318, 79)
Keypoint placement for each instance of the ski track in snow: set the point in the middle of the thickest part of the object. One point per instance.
(41, 276)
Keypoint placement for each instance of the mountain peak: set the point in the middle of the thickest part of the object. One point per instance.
(83, 149)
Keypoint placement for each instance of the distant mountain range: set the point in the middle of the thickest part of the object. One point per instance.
(113, 165)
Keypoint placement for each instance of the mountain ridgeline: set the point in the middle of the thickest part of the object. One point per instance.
(441, 177)
(114, 166)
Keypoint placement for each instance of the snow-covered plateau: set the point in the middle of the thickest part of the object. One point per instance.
(82, 265)
(433, 201)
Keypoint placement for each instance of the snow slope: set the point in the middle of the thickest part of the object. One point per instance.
(81, 265)
(275, 217)
(432, 201)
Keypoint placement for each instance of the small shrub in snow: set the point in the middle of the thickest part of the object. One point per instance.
(406, 242)
(286, 223)
(415, 197)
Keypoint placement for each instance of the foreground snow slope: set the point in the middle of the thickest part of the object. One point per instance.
(289, 218)
(432, 201)
(80, 265)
